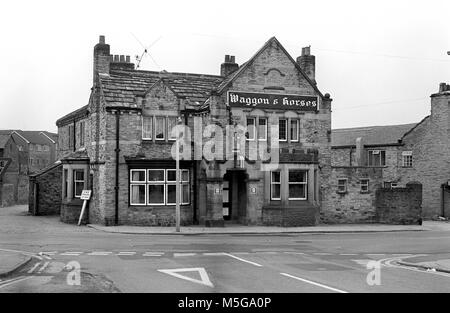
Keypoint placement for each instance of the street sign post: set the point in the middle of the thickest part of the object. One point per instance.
(86, 196)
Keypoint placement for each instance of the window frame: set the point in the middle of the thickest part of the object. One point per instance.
(407, 159)
(366, 185)
(345, 185)
(272, 183)
(138, 183)
(305, 183)
(285, 129)
(164, 126)
(169, 131)
(247, 133)
(150, 118)
(75, 181)
(265, 129)
(381, 152)
(297, 132)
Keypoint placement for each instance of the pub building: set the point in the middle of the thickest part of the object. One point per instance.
(120, 145)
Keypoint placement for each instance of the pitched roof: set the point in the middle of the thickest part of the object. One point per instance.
(4, 136)
(244, 66)
(372, 135)
(36, 137)
(121, 86)
(83, 111)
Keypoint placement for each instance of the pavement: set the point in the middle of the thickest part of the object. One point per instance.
(12, 262)
(237, 229)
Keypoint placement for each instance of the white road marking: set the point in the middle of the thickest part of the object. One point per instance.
(314, 283)
(204, 279)
(153, 254)
(71, 253)
(240, 252)
(126, 253)
(183, 254)
(100, 253)
(301, 253)
(43, 267)
(34, 267)
(375, 254)
(240, 259)
(214, 253)
(15, 280)
(348, 254)
(322, 253)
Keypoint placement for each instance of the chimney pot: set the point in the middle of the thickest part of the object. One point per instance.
(116, 58)
(122, 59)
(128, 59)
(229, 66)
(442, 87)
(101, 40)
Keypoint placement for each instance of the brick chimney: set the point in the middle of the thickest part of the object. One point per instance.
(121, 62)
(101, 58)
(229, 66)
(307, 63)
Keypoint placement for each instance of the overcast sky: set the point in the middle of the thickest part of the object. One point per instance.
(379, 60)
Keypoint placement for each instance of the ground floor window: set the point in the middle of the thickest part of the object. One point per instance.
(158, 187)
(364, 184)
(78, 183)
(342, 185)
(298, 183)
(275, 185)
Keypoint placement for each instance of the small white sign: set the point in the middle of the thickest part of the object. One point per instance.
(86, 194)
(225, 211)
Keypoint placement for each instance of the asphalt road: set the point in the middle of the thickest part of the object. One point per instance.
(217, 263)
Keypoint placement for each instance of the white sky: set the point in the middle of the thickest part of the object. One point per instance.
(379, 60)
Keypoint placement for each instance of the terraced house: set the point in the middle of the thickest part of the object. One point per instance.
(120, 144)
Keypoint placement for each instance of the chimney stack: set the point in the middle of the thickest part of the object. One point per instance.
(121, 62)
(307, 63)
(443, 87)
(101, 58)
(229, 66)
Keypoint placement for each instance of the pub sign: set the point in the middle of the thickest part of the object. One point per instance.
(273, 101)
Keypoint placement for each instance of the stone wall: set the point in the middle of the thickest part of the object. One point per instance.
(49, 191)
(399, 205)
(6, 195)
(292, 216)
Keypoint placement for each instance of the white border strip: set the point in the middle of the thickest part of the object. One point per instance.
(314, 283)
(246, 261)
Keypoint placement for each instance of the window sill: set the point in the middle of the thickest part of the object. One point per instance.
(341, 192)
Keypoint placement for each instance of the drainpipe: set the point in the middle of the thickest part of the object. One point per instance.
(443, 200)
(116, 187)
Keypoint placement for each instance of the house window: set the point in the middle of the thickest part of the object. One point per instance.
(364, 184)
(171, 123)
(389, 185)
(407, 158)
(294, 130)
(377, 158)
(66, 182)
(158, 187)
(184, 187)
(82, 129)
(297, 185)
(251, 128)
(262, 129)
(160, 128)
(137, 187)
(342, 185)
(78, 183)
(282, 129)
(71, 141)
(147, 127)
(275, 185)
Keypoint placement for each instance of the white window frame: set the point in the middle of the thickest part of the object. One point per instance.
(297, 132)
(285, 129)
(364, 183)
(254, 128)
(151, 127)
(265, 129)
(75, 181)
(169, 131)
(163, 119)
(345, 185)
(156, 183)
(182, 183)
(375, 152)
(274, 183)
(299, 183)
(407, 159)
(138, 183)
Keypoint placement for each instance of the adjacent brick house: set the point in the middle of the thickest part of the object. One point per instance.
(24, 153)
(120, 144)
(398, 154)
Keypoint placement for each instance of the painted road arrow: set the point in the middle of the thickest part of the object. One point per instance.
(204, 279)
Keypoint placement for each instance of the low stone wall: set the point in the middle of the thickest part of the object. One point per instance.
(399, 205)
(48, 185)
(157, 216)
(71, 210)
(6, 195)
(291, 216)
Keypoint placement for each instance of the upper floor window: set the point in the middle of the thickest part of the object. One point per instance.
(407, 158)
(171, 123)
(160, 127)
(376, 158)
(82, 129)
(262, 128)
(294, 130)
(71, 141)
(251, 128)
(282, 129)
(147, 127)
